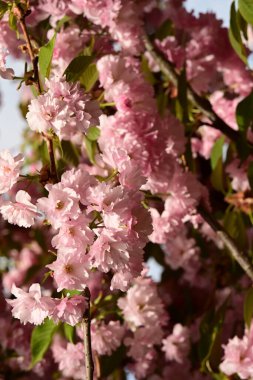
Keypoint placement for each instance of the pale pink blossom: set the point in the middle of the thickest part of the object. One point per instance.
(100, 12)
(141, 349)
(70, 360)
(182, 252)
(22, 212)
(238, 356)
(64, 109)
(203, 144)
(142, 305)
(70, 270)
(61, 205)
(5, 73)
(106, 337)
(115, 251)
(30, 307)
(9, 170)
(238, 172)
(122, 280)
(125, 84)
(143, 340)
(55, 9)
(69, 310)
(24, 260)
(225, 107)
(80, 181)
(74, 233)
(128, 27)
(177, 345)
(69, 42)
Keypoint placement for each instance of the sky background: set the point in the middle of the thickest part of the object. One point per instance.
(11, 124)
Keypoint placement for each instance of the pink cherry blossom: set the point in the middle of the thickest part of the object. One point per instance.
(69, 42)
(204, 144)
(70, 270)
(69, 310)
(181, 252)
(142, 306)
(80, 181)
(177, 345)
(101, 12)
(30, 307)
(64, 109)
(4, 72)
(74, 233)
(238, 356)
(71, 360)
(22, 212)
(106, 337)
(9, 170)
(238, 173)
(61, 205)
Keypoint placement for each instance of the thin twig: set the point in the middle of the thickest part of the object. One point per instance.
(34, 59)
(168, 69)
(53, 170)
(21, 15)
(89, 365)
(241, 257)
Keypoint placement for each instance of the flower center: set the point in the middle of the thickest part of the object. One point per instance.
(68, 268)
(59, 205)
(6, 170)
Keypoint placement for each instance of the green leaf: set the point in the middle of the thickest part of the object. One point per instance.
(69, 332)
(93, 133)
(77, 67)
(250, 174)
(70, 152)
(234, 34)
(165, 30)
(13, 21)
(248, 307)
(234, 225)
(244, 113)
(61, 22)
(89, 77)
(216, 153)
(246, 10)
(209, 333)
(91, 148)
(88, 50)
(182, 101)
(217, 176)
(41, 339)
(46, 56)
(3, 9)
(149, 76)
(162, 102)
(219, 376)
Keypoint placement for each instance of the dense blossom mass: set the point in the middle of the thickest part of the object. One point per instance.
(126, 218)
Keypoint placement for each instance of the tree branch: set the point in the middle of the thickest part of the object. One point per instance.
(89, 365)
(168, 69)
(241, 258)
(21, 15)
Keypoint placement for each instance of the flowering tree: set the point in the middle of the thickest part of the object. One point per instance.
(138, 147)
